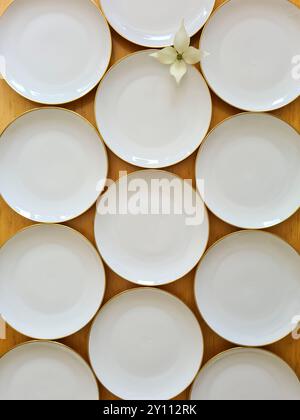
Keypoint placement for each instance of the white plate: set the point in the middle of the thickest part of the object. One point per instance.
(145, 344)
(54, 52)
(154, 23)
(53, 165)
(46, 371)
(151, 248)
(52, 281)
(250, 169)
(249, 47)
(247, 288)
(246, 374)
(147, 119)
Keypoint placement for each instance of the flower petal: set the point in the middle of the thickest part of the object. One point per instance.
(178, 70)
(166, 56)
(182, 40)
(192, 55)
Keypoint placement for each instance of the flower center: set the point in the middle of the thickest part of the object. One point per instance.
(179, 57)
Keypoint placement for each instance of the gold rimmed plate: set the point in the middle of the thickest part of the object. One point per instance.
(147, 119)
(246, 374)
(154, 23)
(46, 371)
(151, 227)
(247, 288)
(146, 344)
(53, 165)
(52, 281)
(250, 53)
(54, 52)
(248, 171)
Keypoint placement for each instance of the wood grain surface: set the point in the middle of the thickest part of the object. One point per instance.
(12, 105)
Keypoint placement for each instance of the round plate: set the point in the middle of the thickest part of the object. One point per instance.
(145, 118)
(250, 168)
(52, 281)
(54, 51)
(53, 165)
(145, 344)
(246, 374)
(247, 288)
(149, 230)
(249, 48)
(154, 23)
(45, 371)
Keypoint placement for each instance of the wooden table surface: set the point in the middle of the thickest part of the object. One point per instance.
(12, 105)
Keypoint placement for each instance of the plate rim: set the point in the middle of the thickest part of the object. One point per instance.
(98, 94)
(206, 217)
(215, 11)
(82, 94)
(56, 344)
(88, 123)
(134, 290)
(214, 245)
(211, 132)
(157, 45)
(233, 350)
(90, 245)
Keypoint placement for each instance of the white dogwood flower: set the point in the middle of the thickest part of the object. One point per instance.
(180, 55)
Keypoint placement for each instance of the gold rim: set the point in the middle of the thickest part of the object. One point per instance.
(105, 155)
(83, 94)
(208, 235)
(198, 268)
(59, 345)
(133, 290)
(94, 250)
(234, 350)
(206, 78)
(200, 151)
(112, 68)
(150, 46)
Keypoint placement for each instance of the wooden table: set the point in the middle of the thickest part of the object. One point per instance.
(12, 105)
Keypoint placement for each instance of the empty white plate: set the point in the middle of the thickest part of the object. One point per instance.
(54, 51)
(146, 344)
(53, 165)
(250, 51)
(147, 119)
(154, 23)
(247, 288)
(246, 374)
(248, 171)
(45, 371)
(151, 228)
(52, 281)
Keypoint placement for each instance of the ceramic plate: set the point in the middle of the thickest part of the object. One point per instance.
(53, 165)
(45, 371)
(154, 23)
(248, 288)
(146, 344)
(249, 167)
(52, 281)
(145, 118)
(246, 374)
(54, 52)
(151, 228)
(250, 53)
